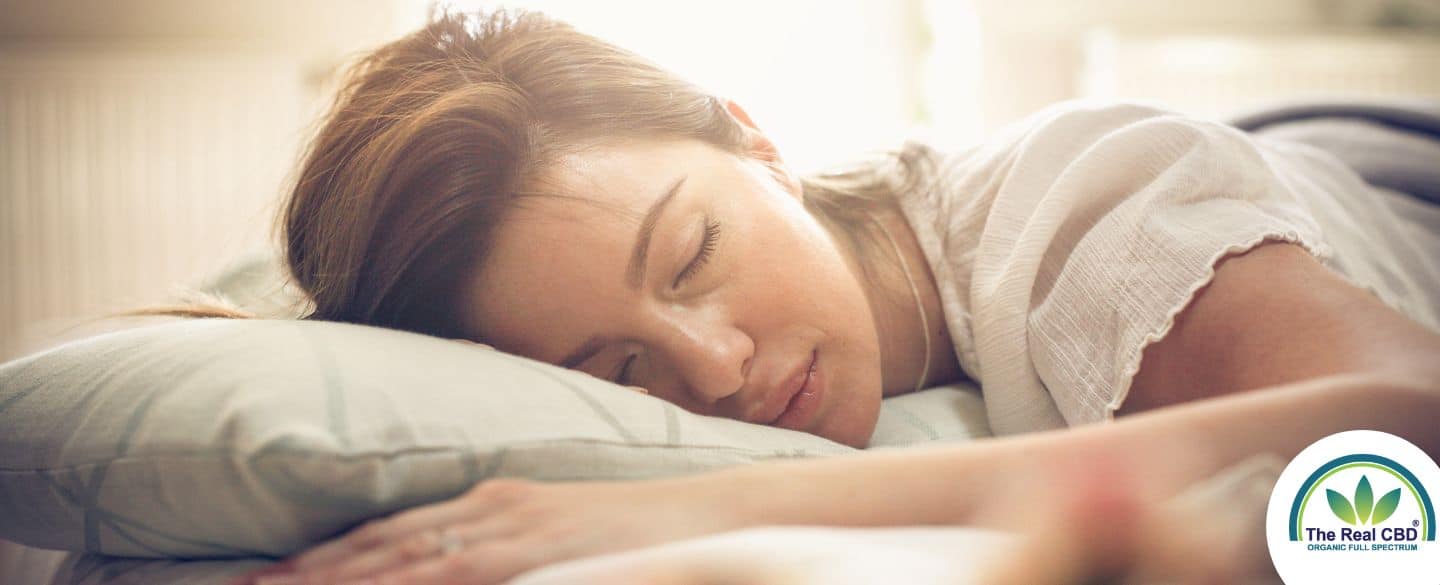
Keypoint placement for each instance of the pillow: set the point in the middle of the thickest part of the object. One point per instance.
(218, 438)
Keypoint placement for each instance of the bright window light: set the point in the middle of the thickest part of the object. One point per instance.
(826, 80)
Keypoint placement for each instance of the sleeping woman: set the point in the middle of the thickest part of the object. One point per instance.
(1128, 287)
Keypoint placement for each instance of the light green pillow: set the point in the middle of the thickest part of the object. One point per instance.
(223, 438)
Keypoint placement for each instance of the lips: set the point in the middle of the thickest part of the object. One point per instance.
(779, 399)
(801, 412)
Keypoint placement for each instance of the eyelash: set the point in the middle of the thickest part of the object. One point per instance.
(707, 248)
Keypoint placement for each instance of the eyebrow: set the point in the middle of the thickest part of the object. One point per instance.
(635, 272)
(635, 275)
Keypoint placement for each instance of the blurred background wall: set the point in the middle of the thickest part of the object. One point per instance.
(144, 144)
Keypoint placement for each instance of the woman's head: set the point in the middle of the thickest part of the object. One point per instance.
(490, 178)
(716, 301)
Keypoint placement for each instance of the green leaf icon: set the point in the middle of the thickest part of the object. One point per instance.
(1386, 506)
(1340, 506)
(1364, 499)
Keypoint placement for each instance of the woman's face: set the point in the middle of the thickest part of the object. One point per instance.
(699, 276)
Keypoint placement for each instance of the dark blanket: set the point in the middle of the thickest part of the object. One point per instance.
(1391, 143)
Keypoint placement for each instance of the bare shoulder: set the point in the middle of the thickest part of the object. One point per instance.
(1274, 315)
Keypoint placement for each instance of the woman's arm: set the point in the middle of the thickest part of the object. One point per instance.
(1276, 315)
(510, 526)
(1167, 449)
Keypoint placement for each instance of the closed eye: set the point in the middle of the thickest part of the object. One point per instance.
(708, 243)
(707, 249)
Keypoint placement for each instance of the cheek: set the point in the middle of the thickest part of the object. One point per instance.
(830, 283)
(787, 247)
(788, 257)
(818, 280)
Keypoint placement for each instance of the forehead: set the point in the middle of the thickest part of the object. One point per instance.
(623, 178)
(560, 259)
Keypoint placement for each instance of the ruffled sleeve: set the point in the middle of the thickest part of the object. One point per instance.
(1104, 222)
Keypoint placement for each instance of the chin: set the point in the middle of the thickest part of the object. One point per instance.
(857, 431)
(858, 440)
(860, 444)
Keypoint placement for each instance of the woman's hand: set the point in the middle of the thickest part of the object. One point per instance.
(1098, 527)
(504, 527)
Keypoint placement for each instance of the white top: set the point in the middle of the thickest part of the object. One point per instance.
(1069, 242)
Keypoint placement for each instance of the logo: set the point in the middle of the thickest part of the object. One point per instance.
(1354, 507)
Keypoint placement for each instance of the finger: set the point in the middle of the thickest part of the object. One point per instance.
(278, 568)
(412, 549)
(420, 547)
(480, 565)
(391, 529)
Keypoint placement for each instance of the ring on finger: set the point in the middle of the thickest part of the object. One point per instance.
(449, 540)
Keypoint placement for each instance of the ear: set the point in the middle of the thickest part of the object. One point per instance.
(761, 148)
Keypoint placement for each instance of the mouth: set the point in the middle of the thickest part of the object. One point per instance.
(803, 403)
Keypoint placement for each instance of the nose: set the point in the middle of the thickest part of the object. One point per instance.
(711, 354)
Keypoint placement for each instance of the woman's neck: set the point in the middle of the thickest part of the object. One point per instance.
(892, 302)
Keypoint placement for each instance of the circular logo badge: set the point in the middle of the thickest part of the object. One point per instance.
(1355, 507)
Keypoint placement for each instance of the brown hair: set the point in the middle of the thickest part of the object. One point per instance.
(433, 137)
